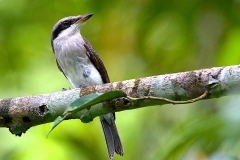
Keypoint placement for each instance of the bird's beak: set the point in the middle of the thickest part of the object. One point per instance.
(84, 17)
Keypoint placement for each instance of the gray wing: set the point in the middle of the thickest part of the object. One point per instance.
(96, 60)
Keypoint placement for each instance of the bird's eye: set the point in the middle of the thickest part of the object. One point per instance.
(66, 23)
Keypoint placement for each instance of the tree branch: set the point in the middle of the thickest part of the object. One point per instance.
(19, 114)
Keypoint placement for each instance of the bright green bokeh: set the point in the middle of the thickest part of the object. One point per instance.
(134, 39)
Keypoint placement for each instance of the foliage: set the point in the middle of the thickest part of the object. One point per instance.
(84, 102)
(145, 38)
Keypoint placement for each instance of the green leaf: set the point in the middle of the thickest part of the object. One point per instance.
(56, 122)
(84, 102)
(92, 99)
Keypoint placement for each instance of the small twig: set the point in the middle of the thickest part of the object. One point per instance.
(171, 101)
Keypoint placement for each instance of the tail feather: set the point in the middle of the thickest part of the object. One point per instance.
(117, 141)
(112, 138)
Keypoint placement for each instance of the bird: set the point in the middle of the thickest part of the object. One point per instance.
(82, 66)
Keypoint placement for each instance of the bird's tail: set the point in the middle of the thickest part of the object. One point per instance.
(112, 138)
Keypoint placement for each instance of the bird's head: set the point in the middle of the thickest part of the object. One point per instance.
(69, 25)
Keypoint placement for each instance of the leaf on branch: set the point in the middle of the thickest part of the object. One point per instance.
(56, 122)
(84, 102)
(92, 99)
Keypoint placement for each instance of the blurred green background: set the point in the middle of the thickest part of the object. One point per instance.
(135, 38)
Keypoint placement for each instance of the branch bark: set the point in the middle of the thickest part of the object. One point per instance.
(19, 114)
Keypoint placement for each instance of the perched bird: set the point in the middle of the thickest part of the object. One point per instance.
(82, 66)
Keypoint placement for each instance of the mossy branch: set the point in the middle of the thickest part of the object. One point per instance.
(19, 114)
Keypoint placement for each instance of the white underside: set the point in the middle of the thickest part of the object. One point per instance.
(74, 62)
